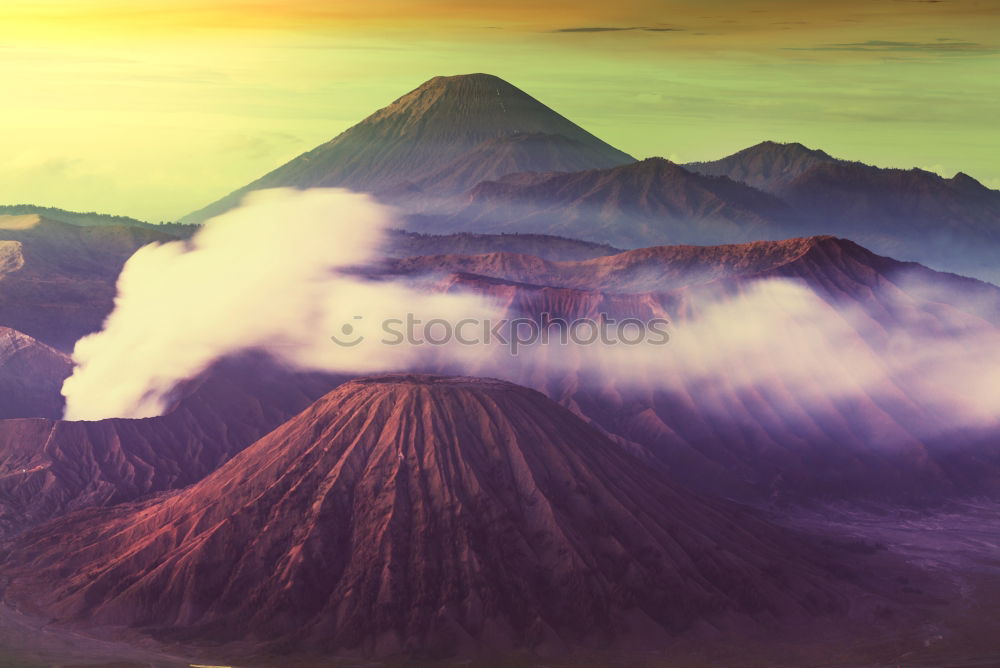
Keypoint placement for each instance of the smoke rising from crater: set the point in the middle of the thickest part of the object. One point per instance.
(267, 276)
(271, 276)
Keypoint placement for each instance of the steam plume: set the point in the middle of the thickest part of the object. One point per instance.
(271, 276)
(268, 276)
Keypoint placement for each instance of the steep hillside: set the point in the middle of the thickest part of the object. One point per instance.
(57, 280)
(428, 516)
(49, 467)
(518, 153)
(31, 376)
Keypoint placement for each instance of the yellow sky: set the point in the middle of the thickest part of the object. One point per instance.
(153, 108)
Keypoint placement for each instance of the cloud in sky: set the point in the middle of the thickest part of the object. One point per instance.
(941, 45)
(618, 29)
(150, 94)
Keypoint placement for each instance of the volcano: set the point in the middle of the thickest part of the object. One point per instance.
(474, 154)
(426, 515)
(440, 128)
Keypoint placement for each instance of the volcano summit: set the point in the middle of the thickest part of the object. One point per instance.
(431, 516)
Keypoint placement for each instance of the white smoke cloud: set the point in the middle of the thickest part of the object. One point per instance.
(269, 276)
(265, 276)
(776, 338)
(779, 334)
(772, 331)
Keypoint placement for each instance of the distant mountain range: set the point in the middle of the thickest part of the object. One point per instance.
(473, 153)
(951, 224)
(768, 166)
(92, 218)
(400, 243)
(650, 202)
(88, 219)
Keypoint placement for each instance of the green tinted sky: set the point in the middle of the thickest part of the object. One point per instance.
(152, 109)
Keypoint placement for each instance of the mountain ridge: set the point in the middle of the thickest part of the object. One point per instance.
(765, 164)
(951, 224)
(648, 202)
(31, 376)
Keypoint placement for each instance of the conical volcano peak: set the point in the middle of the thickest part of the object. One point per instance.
(464, 110)
(439, 515)
(463, 83)
(465, 94)
(31, 375)
(428, 131)
(487, 88)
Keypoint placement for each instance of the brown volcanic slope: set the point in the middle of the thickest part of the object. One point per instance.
(432, 515)
(31, 376)
(650, 202)
(951, 224)
(767, 440)
(48, 467)
(654, 269)
(429, 129)
(57, 280)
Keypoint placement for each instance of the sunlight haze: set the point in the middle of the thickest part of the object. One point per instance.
(153, 109)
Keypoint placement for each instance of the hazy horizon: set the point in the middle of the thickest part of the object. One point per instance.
(176, 104)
